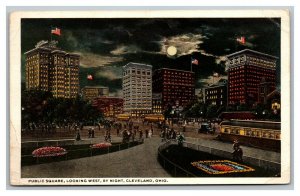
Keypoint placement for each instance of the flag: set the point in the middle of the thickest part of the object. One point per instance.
(216, 74)
(56, 31)
(241, 40)
(90, 77)
(194, 61)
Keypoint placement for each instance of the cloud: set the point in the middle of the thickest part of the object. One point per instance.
(122, 49)
(206, 54)
(212, 80)
(117, 93)
(110, 72)
(185, 43)
(220, 59)
(95, 60)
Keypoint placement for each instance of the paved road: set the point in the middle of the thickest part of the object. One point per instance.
(138, 161)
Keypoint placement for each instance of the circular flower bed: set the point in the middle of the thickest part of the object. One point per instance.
(49, 152)
(101, 145)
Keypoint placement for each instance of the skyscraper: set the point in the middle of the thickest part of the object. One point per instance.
(137, 88)
(246, 69)
(49, 68)
(176, 86)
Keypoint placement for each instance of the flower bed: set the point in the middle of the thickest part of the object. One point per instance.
(221, 167)
(101, 145)
(49, 152)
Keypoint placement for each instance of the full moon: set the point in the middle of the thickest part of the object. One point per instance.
(171, 50)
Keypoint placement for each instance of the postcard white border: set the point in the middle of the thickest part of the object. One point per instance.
(15, 89)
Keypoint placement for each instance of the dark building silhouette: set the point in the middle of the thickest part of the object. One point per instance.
(216, 94)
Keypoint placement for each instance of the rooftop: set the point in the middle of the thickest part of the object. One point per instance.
(131, 64)
(179, 70)
(49, 46)
(95, 87)
(253, 52)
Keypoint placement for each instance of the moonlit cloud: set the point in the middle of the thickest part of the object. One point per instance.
(185, 43)
(118, 93)
(95, 60)
(110, 72)
(220, 59)
(121, 50)
(212, 80)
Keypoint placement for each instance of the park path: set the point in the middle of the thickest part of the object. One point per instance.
(138, 161)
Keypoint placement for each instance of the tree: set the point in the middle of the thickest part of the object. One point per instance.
(212, 111)
(42, 107)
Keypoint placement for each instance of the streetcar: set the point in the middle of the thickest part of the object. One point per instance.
(154, 118)
(260, 134)
(123, 117)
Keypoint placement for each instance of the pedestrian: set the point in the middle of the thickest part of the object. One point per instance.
(147, 132)
(141, 134)
(78, 135)
(150, 133)
(93, 132)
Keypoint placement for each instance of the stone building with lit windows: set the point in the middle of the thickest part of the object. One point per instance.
(89, 93)
(246, 69)
(216, 94)
(48, 68)
(177, 87)
(137, 89)
(109, 106)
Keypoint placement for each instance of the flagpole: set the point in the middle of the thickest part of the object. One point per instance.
(191, 65)
(51, 34)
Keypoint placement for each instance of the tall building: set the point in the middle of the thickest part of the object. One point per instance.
(216, 94)
(264, 89)
(176, 86)
(110, 106)
(137, 89)
(91, 92)
(246, 69)
(49, 68)
(156, 103)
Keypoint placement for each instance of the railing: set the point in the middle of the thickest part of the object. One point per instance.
(266, 164)
(174, 169)
(73, 152)
(178, 171)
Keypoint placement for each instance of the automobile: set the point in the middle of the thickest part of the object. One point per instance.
(205, 128)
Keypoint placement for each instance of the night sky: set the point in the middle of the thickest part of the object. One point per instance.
(105, 45)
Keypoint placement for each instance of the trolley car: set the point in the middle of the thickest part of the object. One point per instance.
(259, 134)
(154, 118)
